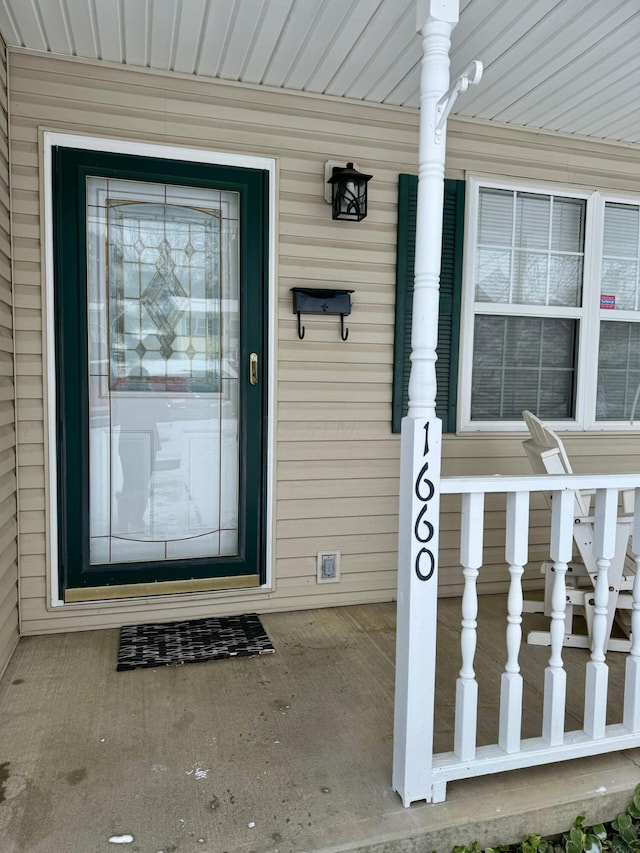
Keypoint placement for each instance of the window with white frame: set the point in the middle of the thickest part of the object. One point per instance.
(552, 307)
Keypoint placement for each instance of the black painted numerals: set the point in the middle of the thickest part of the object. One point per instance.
(423, 529)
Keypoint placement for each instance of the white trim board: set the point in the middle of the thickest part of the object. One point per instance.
(51, 139)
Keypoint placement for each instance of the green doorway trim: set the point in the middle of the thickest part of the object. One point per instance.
(71, 167)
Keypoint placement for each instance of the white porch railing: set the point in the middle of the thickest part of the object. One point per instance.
(419, 774)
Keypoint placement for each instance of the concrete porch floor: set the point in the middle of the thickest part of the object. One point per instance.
(288, 752)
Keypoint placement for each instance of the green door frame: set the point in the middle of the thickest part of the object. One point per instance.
(77, 577)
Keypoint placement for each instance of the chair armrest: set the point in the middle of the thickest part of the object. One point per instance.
(590, 519)
(628, 501)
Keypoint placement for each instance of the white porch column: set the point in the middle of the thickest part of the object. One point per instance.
(421, 438)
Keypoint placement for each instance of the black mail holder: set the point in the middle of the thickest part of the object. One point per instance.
(322, 301)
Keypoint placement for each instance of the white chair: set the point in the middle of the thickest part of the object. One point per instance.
(547, 455)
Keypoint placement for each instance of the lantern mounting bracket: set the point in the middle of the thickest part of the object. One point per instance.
(328, 172)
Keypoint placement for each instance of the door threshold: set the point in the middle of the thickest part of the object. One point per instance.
(143, 590)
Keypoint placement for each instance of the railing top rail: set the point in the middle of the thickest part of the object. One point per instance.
(497, 483)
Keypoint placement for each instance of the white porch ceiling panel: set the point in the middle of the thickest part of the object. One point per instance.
(562, 65)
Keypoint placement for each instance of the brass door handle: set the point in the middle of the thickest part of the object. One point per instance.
(253, 368)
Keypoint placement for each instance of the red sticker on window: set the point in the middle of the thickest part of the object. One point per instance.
(607, 301)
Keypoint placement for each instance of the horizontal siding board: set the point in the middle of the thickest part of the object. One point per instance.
(321, 450)
(345, 508)
(8, 533)
(340, 393)
(9, 605)
(7, 493)
(8, 440)
(29, 364)
(255, 97)
(9, 637)
(29, 409)
(32, 521)
(31, 565)
(31, 433)
(340, 471)
(292, 269)
(316, 373)
(31, 544)
(313, 412)
(9, 577)
(6, 392)
(191, 119)
(29, 342)
(322, 330)
(313, 488)
(335, 526)
(27, 294)
(258, 97)
(32, 499)
(33, 587)
(349, 543)
(31, 454)
(333, 431)
(31, 388)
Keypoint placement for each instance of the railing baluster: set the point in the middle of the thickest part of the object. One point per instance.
(555, 677)
(472, 529)
(631, 718)
(597, 671)
(516, 552)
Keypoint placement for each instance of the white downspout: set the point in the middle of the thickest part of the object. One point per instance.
(421, 431)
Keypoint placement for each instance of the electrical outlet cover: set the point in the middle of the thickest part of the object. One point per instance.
(328, 566)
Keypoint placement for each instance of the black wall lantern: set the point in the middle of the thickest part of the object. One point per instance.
(348, 192)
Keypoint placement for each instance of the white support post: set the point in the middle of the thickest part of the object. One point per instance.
(436, 21)
(471, 539)
(421, 439)
(516, 552)
(555, 676)
(417, 611)
(597, 671)
(631, 718)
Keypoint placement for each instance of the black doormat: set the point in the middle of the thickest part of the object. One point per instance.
(192, 641)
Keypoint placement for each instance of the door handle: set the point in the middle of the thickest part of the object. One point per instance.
(253, 368)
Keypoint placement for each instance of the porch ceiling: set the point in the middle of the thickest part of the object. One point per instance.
(561, 65)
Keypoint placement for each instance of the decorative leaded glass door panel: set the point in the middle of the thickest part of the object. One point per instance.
(172, 301)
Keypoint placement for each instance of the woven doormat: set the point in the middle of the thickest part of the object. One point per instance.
(192, 641)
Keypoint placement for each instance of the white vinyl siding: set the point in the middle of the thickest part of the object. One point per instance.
(9, 622)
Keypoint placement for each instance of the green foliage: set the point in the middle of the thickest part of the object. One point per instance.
(581, 839)
(624, 838)
(619, 836)
(535, 844)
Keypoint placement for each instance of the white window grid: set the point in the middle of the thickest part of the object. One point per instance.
(588, 314)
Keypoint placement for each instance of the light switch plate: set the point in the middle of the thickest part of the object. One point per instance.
(328, 566)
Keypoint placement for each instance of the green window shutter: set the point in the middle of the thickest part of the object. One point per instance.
(450, 298)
